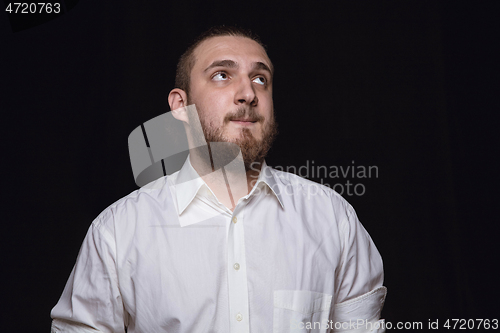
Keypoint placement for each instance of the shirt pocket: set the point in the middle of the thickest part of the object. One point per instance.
(301, 311)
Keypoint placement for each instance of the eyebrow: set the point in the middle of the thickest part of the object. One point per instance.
(232, 64)
(263, 66)
(222, 63)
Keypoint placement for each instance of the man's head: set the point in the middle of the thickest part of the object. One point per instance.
(228, 76)
(188, 59)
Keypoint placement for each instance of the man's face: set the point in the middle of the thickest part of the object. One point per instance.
(231, 86)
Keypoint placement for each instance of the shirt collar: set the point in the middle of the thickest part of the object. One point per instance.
(267, 177)
(188, 183)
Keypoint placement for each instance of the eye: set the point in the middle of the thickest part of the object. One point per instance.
(260, 80)
(220, 76)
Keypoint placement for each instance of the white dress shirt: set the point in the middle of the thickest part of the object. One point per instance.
(292, 257)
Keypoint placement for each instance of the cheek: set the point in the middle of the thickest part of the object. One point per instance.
(217, 105)
(205, 103)
(266, 100)
(212, 110)
(267, 109)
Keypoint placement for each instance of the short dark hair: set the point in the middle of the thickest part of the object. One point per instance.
(187, 60)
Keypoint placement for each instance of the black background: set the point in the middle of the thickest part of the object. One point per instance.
(408, 86)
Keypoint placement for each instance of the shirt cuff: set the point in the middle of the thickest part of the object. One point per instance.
(59, 326)
(361, 314)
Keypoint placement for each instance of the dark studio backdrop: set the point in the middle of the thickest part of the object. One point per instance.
(410, 87)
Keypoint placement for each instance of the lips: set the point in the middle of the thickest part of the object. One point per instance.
(245, 120)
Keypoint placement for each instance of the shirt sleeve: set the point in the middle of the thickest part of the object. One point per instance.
(360, 295)
(91, 300)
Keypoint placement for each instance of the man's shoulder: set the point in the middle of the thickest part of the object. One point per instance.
(293, 184)
(141, 200)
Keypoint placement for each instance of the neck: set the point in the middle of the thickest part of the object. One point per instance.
(229, 183)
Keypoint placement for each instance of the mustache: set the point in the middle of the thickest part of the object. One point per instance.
(244, 112)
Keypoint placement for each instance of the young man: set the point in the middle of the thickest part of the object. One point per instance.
(244, 248)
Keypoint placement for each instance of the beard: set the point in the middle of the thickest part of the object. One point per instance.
(253, 150)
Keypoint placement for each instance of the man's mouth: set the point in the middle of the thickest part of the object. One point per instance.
(244, 121)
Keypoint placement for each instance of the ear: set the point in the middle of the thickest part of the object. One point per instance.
(177, 99)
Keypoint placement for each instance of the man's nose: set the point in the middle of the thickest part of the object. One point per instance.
(246, 93)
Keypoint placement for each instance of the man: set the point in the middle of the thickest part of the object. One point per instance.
(238, 247)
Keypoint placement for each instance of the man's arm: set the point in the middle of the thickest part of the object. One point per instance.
(360, 295)
(91, 300)
(64, 326)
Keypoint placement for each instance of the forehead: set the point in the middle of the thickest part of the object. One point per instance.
(240, 49)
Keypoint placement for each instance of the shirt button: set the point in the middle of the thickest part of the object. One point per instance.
(236, 266)
(239, 317)
(235, 219)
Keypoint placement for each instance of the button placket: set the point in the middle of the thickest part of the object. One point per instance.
(237, 277)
